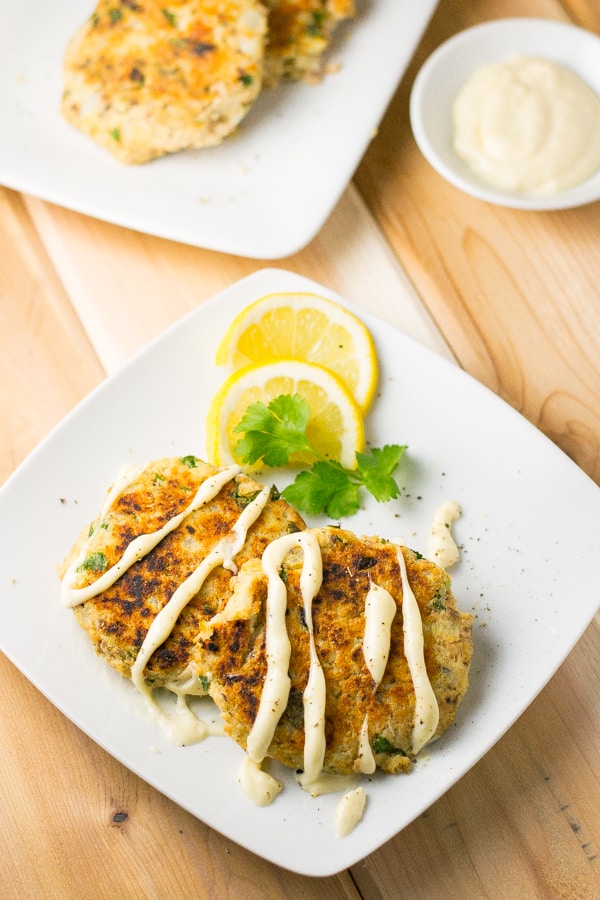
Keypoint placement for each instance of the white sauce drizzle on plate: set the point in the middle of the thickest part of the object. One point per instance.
(325, 783)
(257, 784)
(349, 811)
(182, 726)
(442, 546)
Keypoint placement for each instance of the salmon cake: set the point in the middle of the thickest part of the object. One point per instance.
(175, 529)
(371, 718)
(299, 34)
(328, 652)
(144, 78)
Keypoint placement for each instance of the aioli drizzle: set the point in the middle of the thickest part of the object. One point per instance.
(182, 726)
(442, 547)
(380, 611)
(426, 716)
(258, 785)
(349, 811)
(365, 761)
(223, 554)
(313, 697)
(141, 545)
(276, 688)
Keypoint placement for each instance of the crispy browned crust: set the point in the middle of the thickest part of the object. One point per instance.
(234, 652)
(299, 34)
(144, 77)
(118, 620)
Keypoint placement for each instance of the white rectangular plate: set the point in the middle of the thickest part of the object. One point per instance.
(264, 193)
(529, 572)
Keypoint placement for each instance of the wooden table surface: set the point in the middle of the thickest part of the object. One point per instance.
(515, 298)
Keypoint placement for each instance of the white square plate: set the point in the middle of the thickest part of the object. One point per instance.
(264, 193)
(529, 572)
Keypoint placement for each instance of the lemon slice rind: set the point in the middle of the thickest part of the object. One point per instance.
(336, 426)
(305, 327)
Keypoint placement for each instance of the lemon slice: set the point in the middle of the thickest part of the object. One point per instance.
(305, 327)
(335, 428)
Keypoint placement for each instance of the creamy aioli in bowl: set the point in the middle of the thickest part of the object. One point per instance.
(528, 125)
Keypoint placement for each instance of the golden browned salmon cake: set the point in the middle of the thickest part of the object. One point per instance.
(173, 532)
(377, 707)
(299, 34)
(145, 78)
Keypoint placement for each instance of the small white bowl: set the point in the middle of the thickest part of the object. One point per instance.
(448, 68)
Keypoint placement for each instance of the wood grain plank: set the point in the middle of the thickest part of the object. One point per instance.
(46, 360)
(584, 13)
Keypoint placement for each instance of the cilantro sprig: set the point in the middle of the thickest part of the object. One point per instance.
(274, 432)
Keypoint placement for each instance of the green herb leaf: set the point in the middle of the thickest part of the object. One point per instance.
(437, 603)
(325, 488)
(275, 432)
(95, 562)
(382, 745)
(376, 468)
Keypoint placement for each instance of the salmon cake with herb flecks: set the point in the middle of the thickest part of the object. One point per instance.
(233, 652)
(144, 78)
(118, 619)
